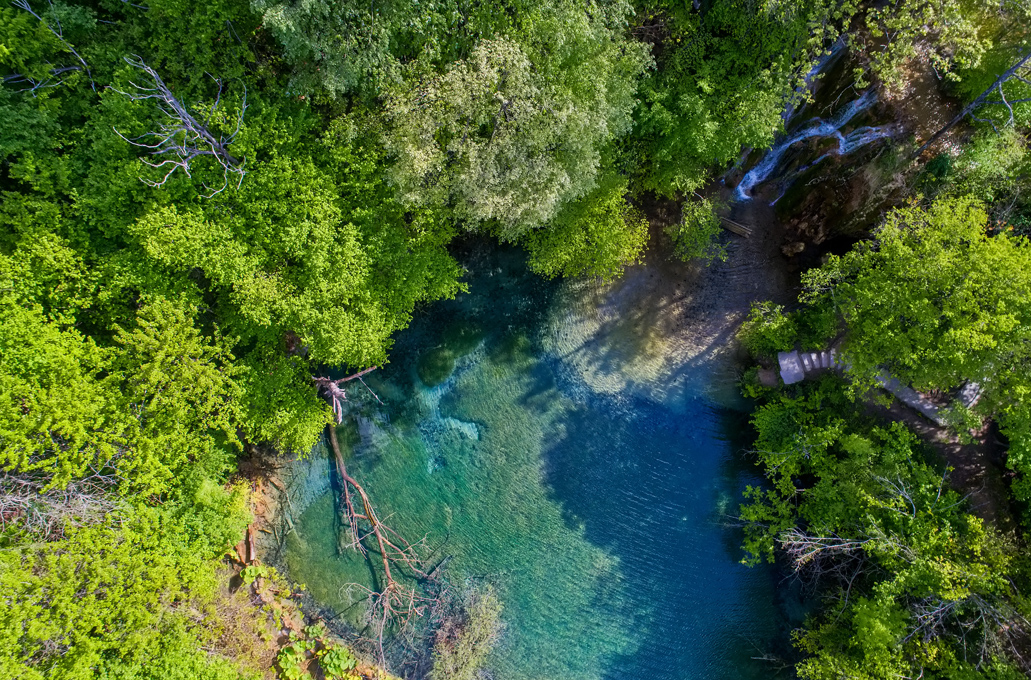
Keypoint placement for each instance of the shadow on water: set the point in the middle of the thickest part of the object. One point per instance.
(649, 486)
(599, 515)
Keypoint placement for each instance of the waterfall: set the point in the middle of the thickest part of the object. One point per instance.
(816, 128)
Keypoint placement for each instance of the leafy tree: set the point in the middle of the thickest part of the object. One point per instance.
(724, 78)
(510, 135)
(914, 583)
(597, 235)
(354, 47)
(954, 35)
(937, 300)
(767, 330)
(114, 601)
(697, 234)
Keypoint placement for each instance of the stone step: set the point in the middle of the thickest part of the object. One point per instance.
(970, 394)
(791, 370)
(807, 361)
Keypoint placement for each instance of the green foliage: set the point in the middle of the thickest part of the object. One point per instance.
(514, 132)
(724, 78)
(112, 600)
(598, 235)
(252, 572)
(955, 35)
(859, 508)
(768, 330)
(349, 46)
(293, 659)
(697, 234)
(158, 399)
(938, 300)
(989, 168)
(337, 662)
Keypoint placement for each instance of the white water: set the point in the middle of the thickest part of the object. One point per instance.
(818, 128)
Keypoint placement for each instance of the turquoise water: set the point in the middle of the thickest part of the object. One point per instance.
(573, 463)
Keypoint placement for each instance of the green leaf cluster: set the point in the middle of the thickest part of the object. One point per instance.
(938, 299)
(909, 574)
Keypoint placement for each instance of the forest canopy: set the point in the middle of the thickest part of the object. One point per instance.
(205, 206)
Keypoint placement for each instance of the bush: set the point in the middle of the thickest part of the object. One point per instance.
(768, 330)
(697, 234)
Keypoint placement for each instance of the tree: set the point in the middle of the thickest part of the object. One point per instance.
(182, 137)
(997, 88)
(697, 233)
(597, 235)
(510, 135)
(937, 300)
(118, 599)
(353, 47)
(913, 583)
(953, 35)
(724, 78)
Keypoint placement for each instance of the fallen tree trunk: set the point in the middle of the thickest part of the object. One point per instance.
(395, 603)
(972, 106)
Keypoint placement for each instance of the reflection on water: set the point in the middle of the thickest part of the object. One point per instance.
(586, 473)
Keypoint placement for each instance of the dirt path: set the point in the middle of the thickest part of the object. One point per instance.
(978, 471)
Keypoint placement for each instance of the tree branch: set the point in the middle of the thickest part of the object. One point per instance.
(176, 143)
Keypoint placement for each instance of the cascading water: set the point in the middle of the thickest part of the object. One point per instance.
(817, 128)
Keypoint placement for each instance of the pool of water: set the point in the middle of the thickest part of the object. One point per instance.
(586, 466)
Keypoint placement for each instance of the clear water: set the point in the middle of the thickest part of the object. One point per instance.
(559, 463)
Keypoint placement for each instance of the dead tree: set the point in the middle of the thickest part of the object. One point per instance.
(58, 33)
(1013, 73)
(982, 627)
(45, 513)
(182, 138)
(335, 394)
(393, 605)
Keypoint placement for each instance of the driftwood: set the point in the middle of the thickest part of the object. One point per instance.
(393, 605)
(736, 227)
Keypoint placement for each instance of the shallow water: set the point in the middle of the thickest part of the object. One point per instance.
(583, 461)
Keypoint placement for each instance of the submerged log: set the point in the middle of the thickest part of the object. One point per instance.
(395, 603)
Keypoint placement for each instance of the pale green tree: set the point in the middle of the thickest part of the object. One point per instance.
(510, 135)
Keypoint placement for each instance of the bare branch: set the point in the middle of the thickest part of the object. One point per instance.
(181, 140)
(46, 513)
(969, 109)
(59, 34)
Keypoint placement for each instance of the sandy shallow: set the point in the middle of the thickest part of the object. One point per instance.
(665, 319)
